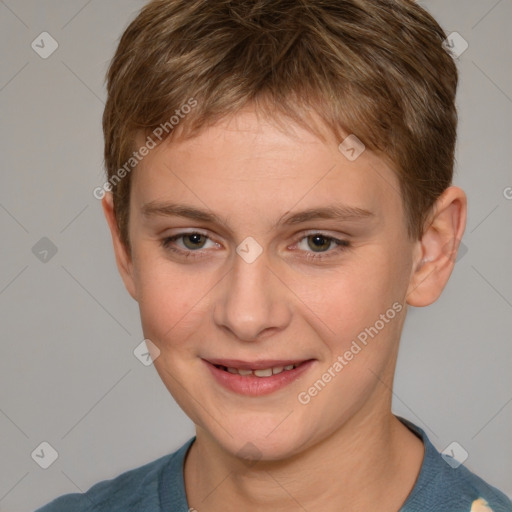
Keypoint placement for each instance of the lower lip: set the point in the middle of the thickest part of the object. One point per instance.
(251, 385)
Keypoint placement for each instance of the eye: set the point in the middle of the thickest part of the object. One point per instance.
(315, 244)
(188, 243)
(193, 241)
(193, 244)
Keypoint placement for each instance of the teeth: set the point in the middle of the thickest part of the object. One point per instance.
(266, 372)
(263, 373)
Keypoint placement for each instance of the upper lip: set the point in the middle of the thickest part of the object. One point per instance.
(254, 365)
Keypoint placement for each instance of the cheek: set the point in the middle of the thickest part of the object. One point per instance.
(171, 302)
(351, 295)
(360, 301)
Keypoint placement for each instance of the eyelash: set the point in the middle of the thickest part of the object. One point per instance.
(342, 245)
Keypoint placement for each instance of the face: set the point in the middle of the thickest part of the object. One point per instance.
(255, 249)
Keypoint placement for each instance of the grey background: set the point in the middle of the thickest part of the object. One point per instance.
(68, 375)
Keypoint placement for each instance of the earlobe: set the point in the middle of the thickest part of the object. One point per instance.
(437, 249)
(122, 253)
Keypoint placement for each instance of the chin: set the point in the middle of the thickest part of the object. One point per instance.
(252, 440)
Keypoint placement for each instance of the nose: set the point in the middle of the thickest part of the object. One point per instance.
(253, 302)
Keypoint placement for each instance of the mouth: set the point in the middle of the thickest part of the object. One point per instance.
(260, 372)
(257, 377)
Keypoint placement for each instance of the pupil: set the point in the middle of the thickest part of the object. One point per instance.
(320, 242)
(193, 240)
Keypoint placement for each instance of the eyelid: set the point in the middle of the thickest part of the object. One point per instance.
(186, 231)
(322, 232)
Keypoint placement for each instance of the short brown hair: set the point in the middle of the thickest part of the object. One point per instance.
(373, 68)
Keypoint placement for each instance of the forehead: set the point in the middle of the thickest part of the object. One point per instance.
(251, 165)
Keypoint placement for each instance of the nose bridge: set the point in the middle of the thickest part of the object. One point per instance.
(252, 300)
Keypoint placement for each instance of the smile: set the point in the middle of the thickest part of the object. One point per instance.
(266, 372)
(256, 378)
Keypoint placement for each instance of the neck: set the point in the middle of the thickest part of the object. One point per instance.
(372, 462)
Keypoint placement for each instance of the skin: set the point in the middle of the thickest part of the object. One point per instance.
(344, 446)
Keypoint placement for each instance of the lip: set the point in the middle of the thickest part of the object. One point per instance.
(254, 365)
(250, 385)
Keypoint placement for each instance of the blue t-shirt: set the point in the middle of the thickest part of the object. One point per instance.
(159, 487)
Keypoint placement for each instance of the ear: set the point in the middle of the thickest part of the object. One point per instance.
(123, 255)
(437, 248)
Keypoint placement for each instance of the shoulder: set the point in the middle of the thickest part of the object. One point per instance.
(444, 485)
(465, 490)
(136, 489)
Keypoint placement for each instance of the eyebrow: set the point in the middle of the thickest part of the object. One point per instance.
(335, 212)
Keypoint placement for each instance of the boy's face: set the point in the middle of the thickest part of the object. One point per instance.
(205, 302)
